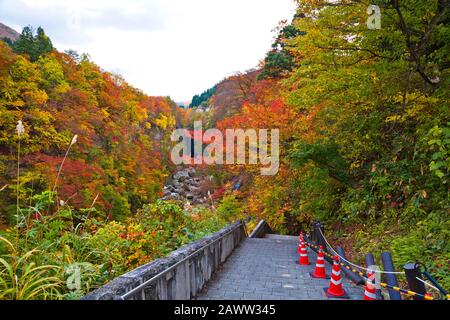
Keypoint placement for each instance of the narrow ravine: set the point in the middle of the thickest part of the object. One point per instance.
(189, 184)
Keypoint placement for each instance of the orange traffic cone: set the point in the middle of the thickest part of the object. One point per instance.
(335, 290)
(320, 266)
(371, 292)
(304, 261)
(300, 240)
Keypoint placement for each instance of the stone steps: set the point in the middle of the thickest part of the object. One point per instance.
(281, 237)
(268, 269)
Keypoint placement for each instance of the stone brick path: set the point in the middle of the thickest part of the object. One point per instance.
(267, 269)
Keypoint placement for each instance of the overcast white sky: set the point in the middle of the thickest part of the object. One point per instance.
(164, 47)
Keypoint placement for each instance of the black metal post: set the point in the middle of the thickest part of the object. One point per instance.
(412, 272)
(313, 232)
(370, 261)
(356, 278)
(391, 279)
(321, 232)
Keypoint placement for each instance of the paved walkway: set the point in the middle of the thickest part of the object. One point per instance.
(267, 269)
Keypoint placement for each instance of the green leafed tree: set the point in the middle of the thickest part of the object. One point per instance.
(280, 60)
(33, 45)
(203, 98)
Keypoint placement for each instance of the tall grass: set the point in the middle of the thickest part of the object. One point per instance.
(20, 129)
(74, 140)
(22, 279)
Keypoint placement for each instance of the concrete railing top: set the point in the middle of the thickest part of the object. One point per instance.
(261, 229)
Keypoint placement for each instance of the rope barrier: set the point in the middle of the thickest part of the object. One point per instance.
(382, 284)
(431, 286)
(355, 265)
(377, 271)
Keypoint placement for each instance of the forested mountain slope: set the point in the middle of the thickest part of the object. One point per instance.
(119, 154)
(7, 32)
(83, 160)
(365, 128)
(364, 124)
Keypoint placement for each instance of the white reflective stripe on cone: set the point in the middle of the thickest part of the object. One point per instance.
(336, 273)
(372, 287)
(336, 282)
(320, 265)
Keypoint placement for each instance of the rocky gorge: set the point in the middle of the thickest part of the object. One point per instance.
(188, 184)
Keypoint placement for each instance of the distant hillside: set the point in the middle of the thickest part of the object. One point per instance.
(7, 32)
(183, 104)
(64, 93)
(203, 98)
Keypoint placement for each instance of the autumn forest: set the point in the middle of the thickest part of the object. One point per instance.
(364, 124)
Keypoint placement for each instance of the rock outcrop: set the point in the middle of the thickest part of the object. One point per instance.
(187, 184)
